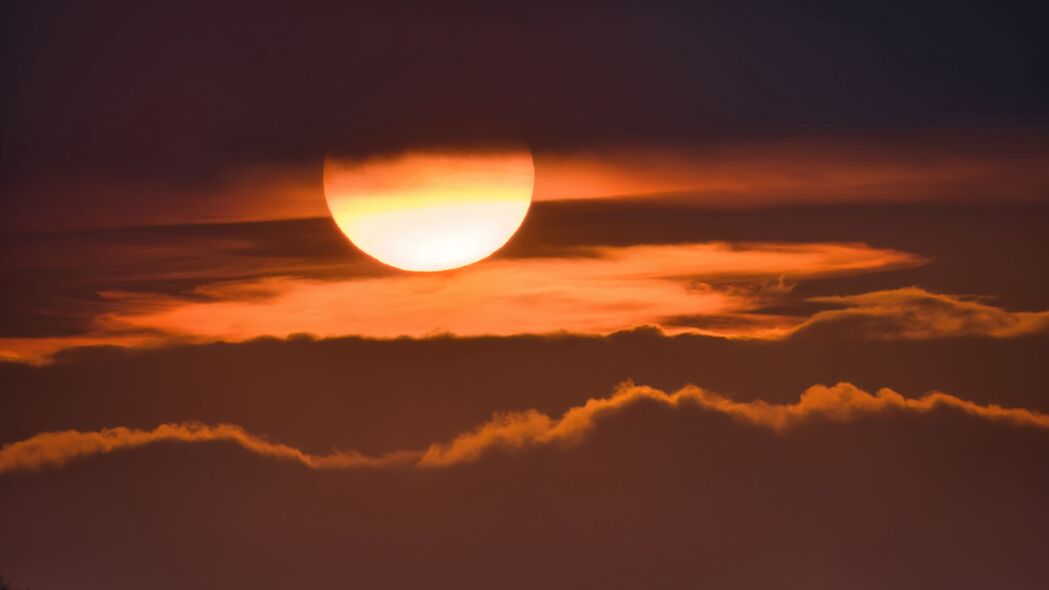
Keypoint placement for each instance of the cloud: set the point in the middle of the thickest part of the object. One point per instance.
(725, 174)
(517, 430)
(796, 171)
(915, 314)
(714, 289)
(58, 448)
(841, 403)
(598, 291)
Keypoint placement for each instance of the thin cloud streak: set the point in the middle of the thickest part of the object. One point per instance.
(960, 166)
(54, 449)
(974, 166)
(916, 314)
(517, 430)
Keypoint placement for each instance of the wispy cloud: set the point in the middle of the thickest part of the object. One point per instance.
(598, 291)
(58, 448)
(831, 170)
(517, 430)
(958, 166)
(916, 314)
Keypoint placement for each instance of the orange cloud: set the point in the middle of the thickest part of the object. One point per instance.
(614, 289)
(915, 314)
(971, 166)
(956, 166)
(601, 290)
(841, 403)
(518, 430)
(54, 449)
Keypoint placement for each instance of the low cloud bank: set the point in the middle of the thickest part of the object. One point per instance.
(518, 430)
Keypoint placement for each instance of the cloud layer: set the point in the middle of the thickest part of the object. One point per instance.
(517, 430)
(596, 291)
(961, 167)
(720, 289)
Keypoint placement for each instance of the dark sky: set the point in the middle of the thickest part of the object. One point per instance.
(172, 92)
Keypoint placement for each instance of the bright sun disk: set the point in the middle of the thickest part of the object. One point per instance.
(428, 211)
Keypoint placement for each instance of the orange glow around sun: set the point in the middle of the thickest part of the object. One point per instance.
(425, 211)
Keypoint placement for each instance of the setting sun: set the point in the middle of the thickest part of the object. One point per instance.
(430, 211)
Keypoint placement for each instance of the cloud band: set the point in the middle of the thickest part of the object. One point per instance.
(519, 430)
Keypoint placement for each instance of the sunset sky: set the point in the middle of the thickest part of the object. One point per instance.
(597, 295)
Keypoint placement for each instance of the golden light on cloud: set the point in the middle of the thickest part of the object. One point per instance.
(612, 289)
(594, 291)
(423, 211)
(842, 403)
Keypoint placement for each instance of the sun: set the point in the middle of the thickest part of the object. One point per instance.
(430, 211)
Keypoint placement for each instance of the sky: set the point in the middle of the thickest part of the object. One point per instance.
(776, 316)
